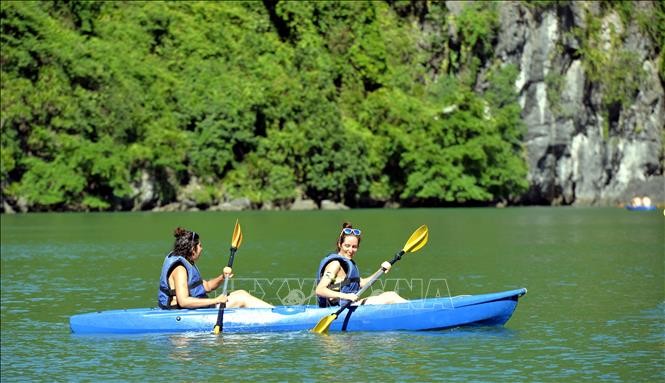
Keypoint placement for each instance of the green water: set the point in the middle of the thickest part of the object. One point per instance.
(594, 310)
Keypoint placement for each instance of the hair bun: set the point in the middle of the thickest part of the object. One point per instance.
(179, 232)
(347, 225)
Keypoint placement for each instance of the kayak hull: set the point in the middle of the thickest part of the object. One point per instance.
(416, 315)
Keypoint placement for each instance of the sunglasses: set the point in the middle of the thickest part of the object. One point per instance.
(349, 231)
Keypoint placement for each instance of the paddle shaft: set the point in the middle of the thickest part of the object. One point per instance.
(376, 276)
(222, 306)
(230, 264)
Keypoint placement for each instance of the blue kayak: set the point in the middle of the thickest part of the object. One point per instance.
(416, 315)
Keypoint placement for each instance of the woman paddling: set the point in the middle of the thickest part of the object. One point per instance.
(338, 277)
(181, 285)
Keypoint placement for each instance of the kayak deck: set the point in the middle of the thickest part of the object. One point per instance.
(415, 315)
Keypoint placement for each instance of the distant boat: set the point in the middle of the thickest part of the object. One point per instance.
(640, 208)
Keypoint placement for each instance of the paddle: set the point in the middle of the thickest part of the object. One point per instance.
(236, 240)
(417, 240)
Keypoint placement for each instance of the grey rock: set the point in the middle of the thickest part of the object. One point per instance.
(392, 205)
(22, 205)
(332, 205)
(237, 204)
(174, 206)
(304, 204)
(7, 208)
(144, 193)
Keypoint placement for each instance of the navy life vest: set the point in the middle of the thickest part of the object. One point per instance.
(194, 281)
(350, 284)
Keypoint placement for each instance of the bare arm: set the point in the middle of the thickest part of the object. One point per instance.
(179, 275)
(212, 284)
(329, 274)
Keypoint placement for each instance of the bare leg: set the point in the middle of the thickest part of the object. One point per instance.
(241, 298)
(389, 297)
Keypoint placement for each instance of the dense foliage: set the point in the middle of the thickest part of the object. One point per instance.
(208, 101)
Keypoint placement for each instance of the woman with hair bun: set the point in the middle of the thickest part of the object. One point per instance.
(181, 285)
(338, 278)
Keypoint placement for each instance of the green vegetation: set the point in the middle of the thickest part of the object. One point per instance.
(209, 101)
(605, 62)
(265, 101)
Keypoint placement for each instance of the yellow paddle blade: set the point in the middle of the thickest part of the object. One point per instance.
(417, 240)
(216, 330)
(324, 324)
(236, 240)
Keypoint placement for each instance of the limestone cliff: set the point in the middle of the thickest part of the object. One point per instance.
(588, 141)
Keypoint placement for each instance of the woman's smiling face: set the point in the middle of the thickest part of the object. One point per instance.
(349, 247)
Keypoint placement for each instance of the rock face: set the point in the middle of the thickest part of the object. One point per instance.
(304, 204)
(579, 150)
(144, 192)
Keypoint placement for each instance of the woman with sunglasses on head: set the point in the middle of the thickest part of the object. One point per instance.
(338, 278)
(181, 285)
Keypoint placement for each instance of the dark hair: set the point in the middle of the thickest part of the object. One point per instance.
(185, 242)
(342, 236)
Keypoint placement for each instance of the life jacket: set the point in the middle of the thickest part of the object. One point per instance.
(194, 281)
(350, 284)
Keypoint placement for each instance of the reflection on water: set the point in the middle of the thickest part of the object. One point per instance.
(181, 345)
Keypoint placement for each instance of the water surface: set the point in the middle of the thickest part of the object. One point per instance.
(595, 310)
